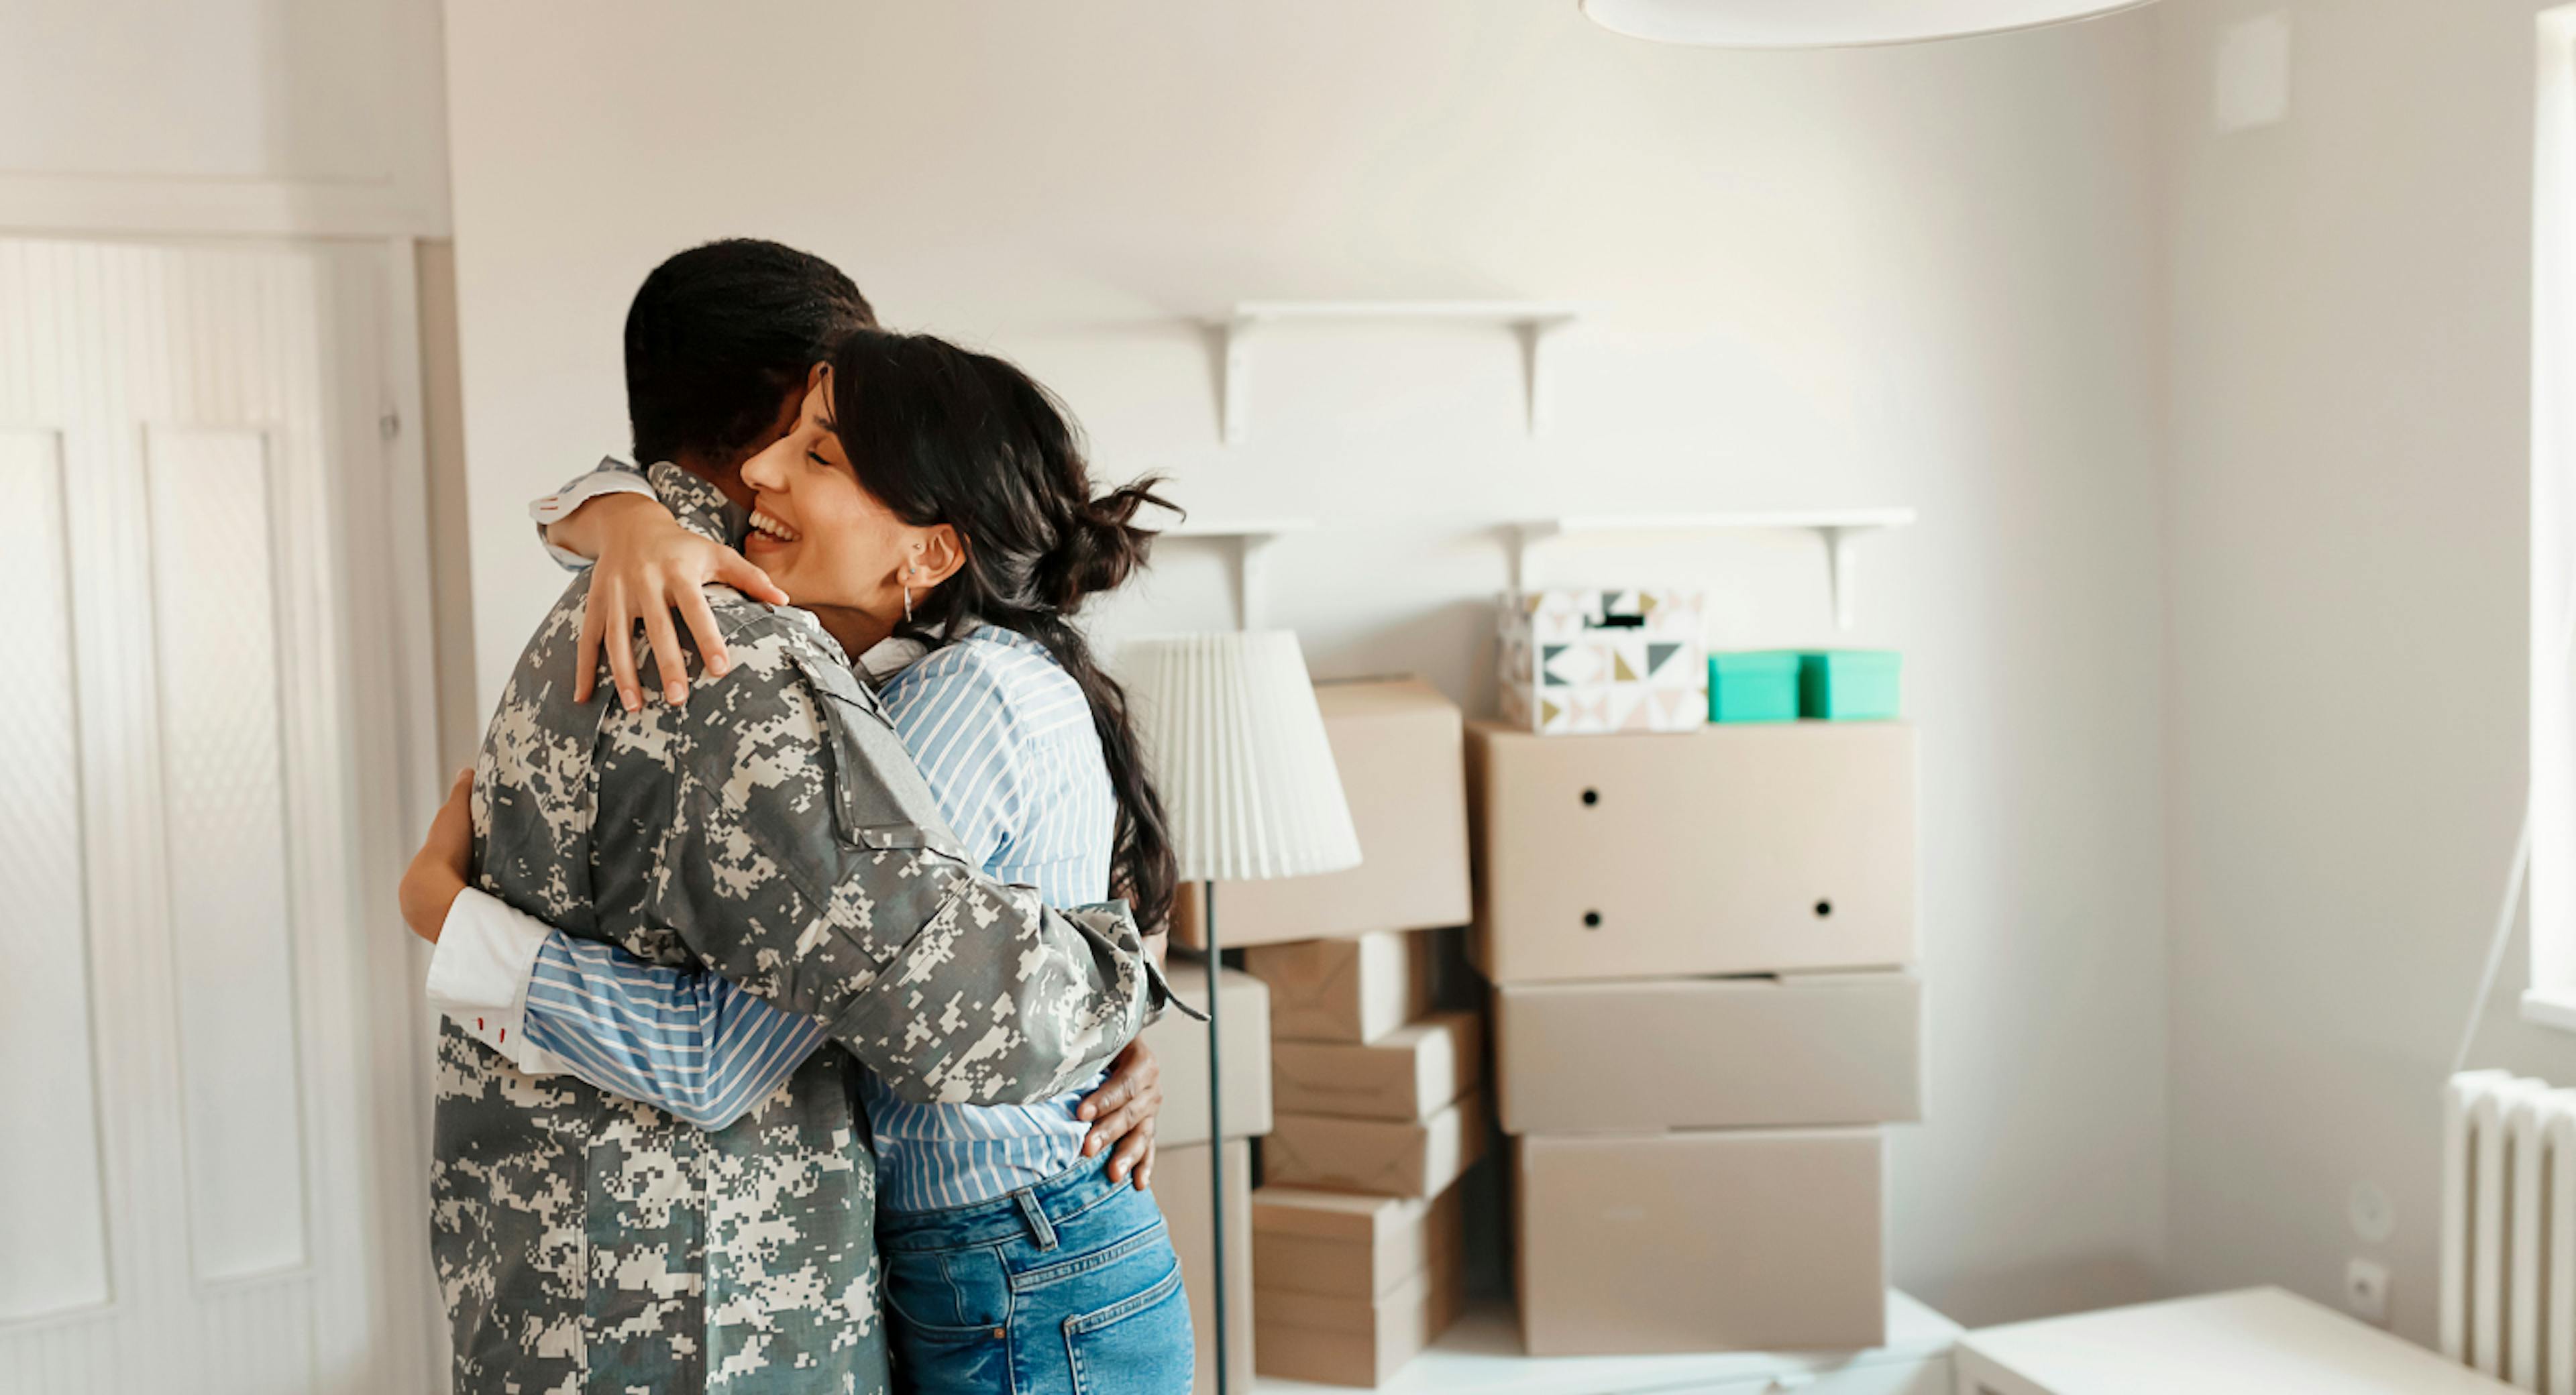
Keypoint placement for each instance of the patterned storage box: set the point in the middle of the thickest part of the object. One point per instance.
(1582, 662)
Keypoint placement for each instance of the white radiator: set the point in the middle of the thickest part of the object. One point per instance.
(2509, 1228)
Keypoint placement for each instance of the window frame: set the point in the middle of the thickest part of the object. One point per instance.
(2549, 837)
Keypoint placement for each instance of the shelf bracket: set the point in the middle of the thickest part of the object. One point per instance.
(1234, 378)
(1534, 334)
(1247, 548)
(1841, 565)
(1252, 580)
(1522, 539)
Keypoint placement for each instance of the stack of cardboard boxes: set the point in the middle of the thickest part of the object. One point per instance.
(1703, 1010)
(1359, 1250)
(1358, 1237)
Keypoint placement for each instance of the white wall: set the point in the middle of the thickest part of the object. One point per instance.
(1922, 276)
(2348, 539)
(222, 116)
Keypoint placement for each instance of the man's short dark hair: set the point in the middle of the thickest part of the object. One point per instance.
(719, 335)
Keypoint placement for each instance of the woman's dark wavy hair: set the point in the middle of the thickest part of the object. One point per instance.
(940, 434)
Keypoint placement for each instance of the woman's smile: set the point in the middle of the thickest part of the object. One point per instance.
(768, 532)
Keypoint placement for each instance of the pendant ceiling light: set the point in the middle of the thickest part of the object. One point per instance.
(1832, 23)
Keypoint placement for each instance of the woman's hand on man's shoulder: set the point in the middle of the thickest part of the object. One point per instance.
(650, 570)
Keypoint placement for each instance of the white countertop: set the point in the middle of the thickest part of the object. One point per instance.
(2256, 1341)
(1481, 1355)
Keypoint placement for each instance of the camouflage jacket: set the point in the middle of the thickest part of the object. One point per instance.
(774, 831)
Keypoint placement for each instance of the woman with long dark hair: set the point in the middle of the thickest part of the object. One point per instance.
(930, 494)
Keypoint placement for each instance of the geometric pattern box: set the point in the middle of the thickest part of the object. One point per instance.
(1582, 662)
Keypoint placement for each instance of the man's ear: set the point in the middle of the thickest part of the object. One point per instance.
(942, 553)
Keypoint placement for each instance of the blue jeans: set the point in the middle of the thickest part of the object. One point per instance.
(1068, 1285)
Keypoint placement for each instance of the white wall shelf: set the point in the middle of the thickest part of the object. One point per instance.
(1534, 321)
(1251, 541)
(1839, 529)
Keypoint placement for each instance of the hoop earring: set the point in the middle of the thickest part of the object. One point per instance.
(913, 570)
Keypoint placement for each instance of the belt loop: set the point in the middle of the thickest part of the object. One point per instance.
(1031, 1212)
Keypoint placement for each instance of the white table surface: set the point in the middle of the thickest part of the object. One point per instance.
(2256, 1341)
(1481, 1355)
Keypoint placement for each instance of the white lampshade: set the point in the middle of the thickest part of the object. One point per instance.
(1832, 23)
(1237, 749)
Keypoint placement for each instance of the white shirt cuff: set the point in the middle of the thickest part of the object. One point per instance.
(478, 975)
(560, 505)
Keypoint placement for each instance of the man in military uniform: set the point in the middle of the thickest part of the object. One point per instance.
(772, 829)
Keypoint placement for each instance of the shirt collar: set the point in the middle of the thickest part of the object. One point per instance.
(892, 656)
(700, 507)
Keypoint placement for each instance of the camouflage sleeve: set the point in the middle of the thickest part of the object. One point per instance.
(806, 862)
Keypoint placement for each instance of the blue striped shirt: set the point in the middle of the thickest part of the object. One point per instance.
(1004, 737)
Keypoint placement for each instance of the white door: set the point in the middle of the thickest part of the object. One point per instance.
(209, 1122)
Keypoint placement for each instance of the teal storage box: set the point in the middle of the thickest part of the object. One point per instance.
(1848, 685)
(1753, 687)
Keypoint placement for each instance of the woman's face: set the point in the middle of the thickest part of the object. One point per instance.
(825, 540)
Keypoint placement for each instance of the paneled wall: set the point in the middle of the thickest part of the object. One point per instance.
(53, 1218)
(206, 1181)
(214, 741)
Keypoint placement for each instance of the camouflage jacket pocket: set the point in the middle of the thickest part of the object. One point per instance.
(879, 800)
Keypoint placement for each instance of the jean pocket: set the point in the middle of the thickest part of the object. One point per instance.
(948, 1291)
(1138, 1345)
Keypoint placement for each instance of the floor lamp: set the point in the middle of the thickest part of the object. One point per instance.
(1238, 752)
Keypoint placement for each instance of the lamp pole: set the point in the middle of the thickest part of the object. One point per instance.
(1250, 787)
(1216, 1124)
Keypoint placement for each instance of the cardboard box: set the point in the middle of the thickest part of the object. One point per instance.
(1849, 685)
(1397, 745)
(1756, 686)
(1181, 1188)
(1346, 1245)
(1689, 1053)
(1180, 1043)
(1345, 990)
(1386, 1158)
(1412, 1072)
(1706, 1241)
(1576, 662)
(1734, 849)
(1356, 1340)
